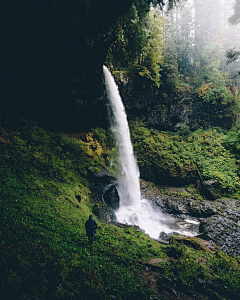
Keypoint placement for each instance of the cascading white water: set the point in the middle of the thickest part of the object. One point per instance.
(128, 177)
(132, 210)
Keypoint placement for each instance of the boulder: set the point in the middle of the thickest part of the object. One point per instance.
(122, 225)
(165, 236)
(186, 206)
(211, 189)
(110, 196)
(224, 231)
(104, 212)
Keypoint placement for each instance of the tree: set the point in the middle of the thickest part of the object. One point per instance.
(235, 18)
(139, 44)
(213, 88)
(179, 34)
(52, 54)
(233, 54)
(151, 58)
(130, 39)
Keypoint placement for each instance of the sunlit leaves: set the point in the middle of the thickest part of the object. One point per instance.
(93, 148)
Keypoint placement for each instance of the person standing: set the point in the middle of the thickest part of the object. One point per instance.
(91, 226)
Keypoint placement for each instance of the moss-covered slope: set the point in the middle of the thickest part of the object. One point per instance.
(44, 252)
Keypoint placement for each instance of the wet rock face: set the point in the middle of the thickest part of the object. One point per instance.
(179, 205)
(102, 184)
(192, 207)
(154, 106)
(163, 108)
(211, 190)
(224, 228)
(111, 196)
(103, 176)
(219, 220)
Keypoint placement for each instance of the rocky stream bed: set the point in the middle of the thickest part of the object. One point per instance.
(219, 219)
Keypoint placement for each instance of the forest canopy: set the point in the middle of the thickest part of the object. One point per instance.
(53, 52)
(183, 49)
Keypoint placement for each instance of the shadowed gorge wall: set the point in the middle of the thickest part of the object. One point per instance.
(52, 55)
(169, 108)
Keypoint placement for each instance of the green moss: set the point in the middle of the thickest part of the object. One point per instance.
(44, 250)
(45, 253)
(191, 159)
(193, 260)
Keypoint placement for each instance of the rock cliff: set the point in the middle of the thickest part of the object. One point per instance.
(51, 57)
(168, 108)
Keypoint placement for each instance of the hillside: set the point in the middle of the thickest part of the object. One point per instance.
(45, 201)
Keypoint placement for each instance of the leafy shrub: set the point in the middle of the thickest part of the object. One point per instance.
(232, 141)
(201, 155)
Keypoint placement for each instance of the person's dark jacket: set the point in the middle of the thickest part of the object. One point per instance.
(91, 226)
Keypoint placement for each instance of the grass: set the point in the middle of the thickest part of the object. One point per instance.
(44, 251)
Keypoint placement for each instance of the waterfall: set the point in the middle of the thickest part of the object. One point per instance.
(128, 177)
(132, 210)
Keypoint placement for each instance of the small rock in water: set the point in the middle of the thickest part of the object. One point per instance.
(165, 236)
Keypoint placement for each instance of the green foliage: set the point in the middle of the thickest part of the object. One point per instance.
(139, 43)
(152, 53)
(141, 29)
(130, 38)
(232, 141)
(173, 53)
(179, 40)
(224, 267)
(195, 266)
(187, 156)
(215, 161)
(105, 137)
(214, 87)
(214, 90)
(170, 75)
(107, 141)
(44, 250)
(184, 130)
